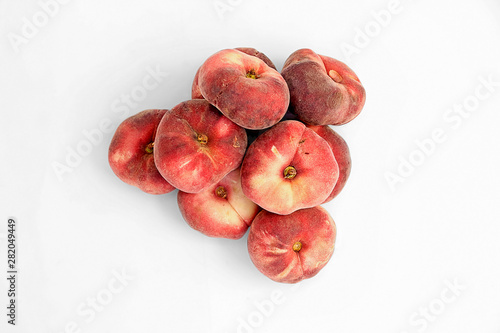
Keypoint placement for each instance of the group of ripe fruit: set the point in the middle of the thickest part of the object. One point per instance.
(252, 149)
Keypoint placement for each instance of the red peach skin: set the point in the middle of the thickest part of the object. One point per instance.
(323, 90)
(342, 155)
(293, 247)
(130, 153)
(196, 146)
(195, 89)
(221, 210)
(244, 88)
(288, 167)
(253, 52)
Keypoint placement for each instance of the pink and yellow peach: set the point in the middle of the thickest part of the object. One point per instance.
(288, 167)
(293, 247)
(221, 210)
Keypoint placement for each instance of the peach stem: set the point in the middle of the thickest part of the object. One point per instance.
(290, 172)
(149, 147)
(297, 246)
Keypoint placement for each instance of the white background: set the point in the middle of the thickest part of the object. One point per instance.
(398, 249)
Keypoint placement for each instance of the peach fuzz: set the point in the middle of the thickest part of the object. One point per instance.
(196, 146)
(323, 90)
(342, 155)
(221, 210)
(195, 88)
(293, 247)
(288, 167)
(244, 88)
(130, 153)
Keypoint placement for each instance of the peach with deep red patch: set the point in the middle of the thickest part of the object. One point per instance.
(130, 153)
(196, 146)
(323, 90)
(292, 247)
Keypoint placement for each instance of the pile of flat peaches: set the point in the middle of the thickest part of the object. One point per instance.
(253, 149)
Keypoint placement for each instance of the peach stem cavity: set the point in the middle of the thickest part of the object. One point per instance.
(290, 172)
(149, 148)
(221, 192)
(252, 75)
(202, 139)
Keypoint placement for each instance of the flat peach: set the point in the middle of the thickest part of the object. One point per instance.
(288, 167)
(221, 210)
(196, 146)
(130, 153)
(293, 247)
(195, 89)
